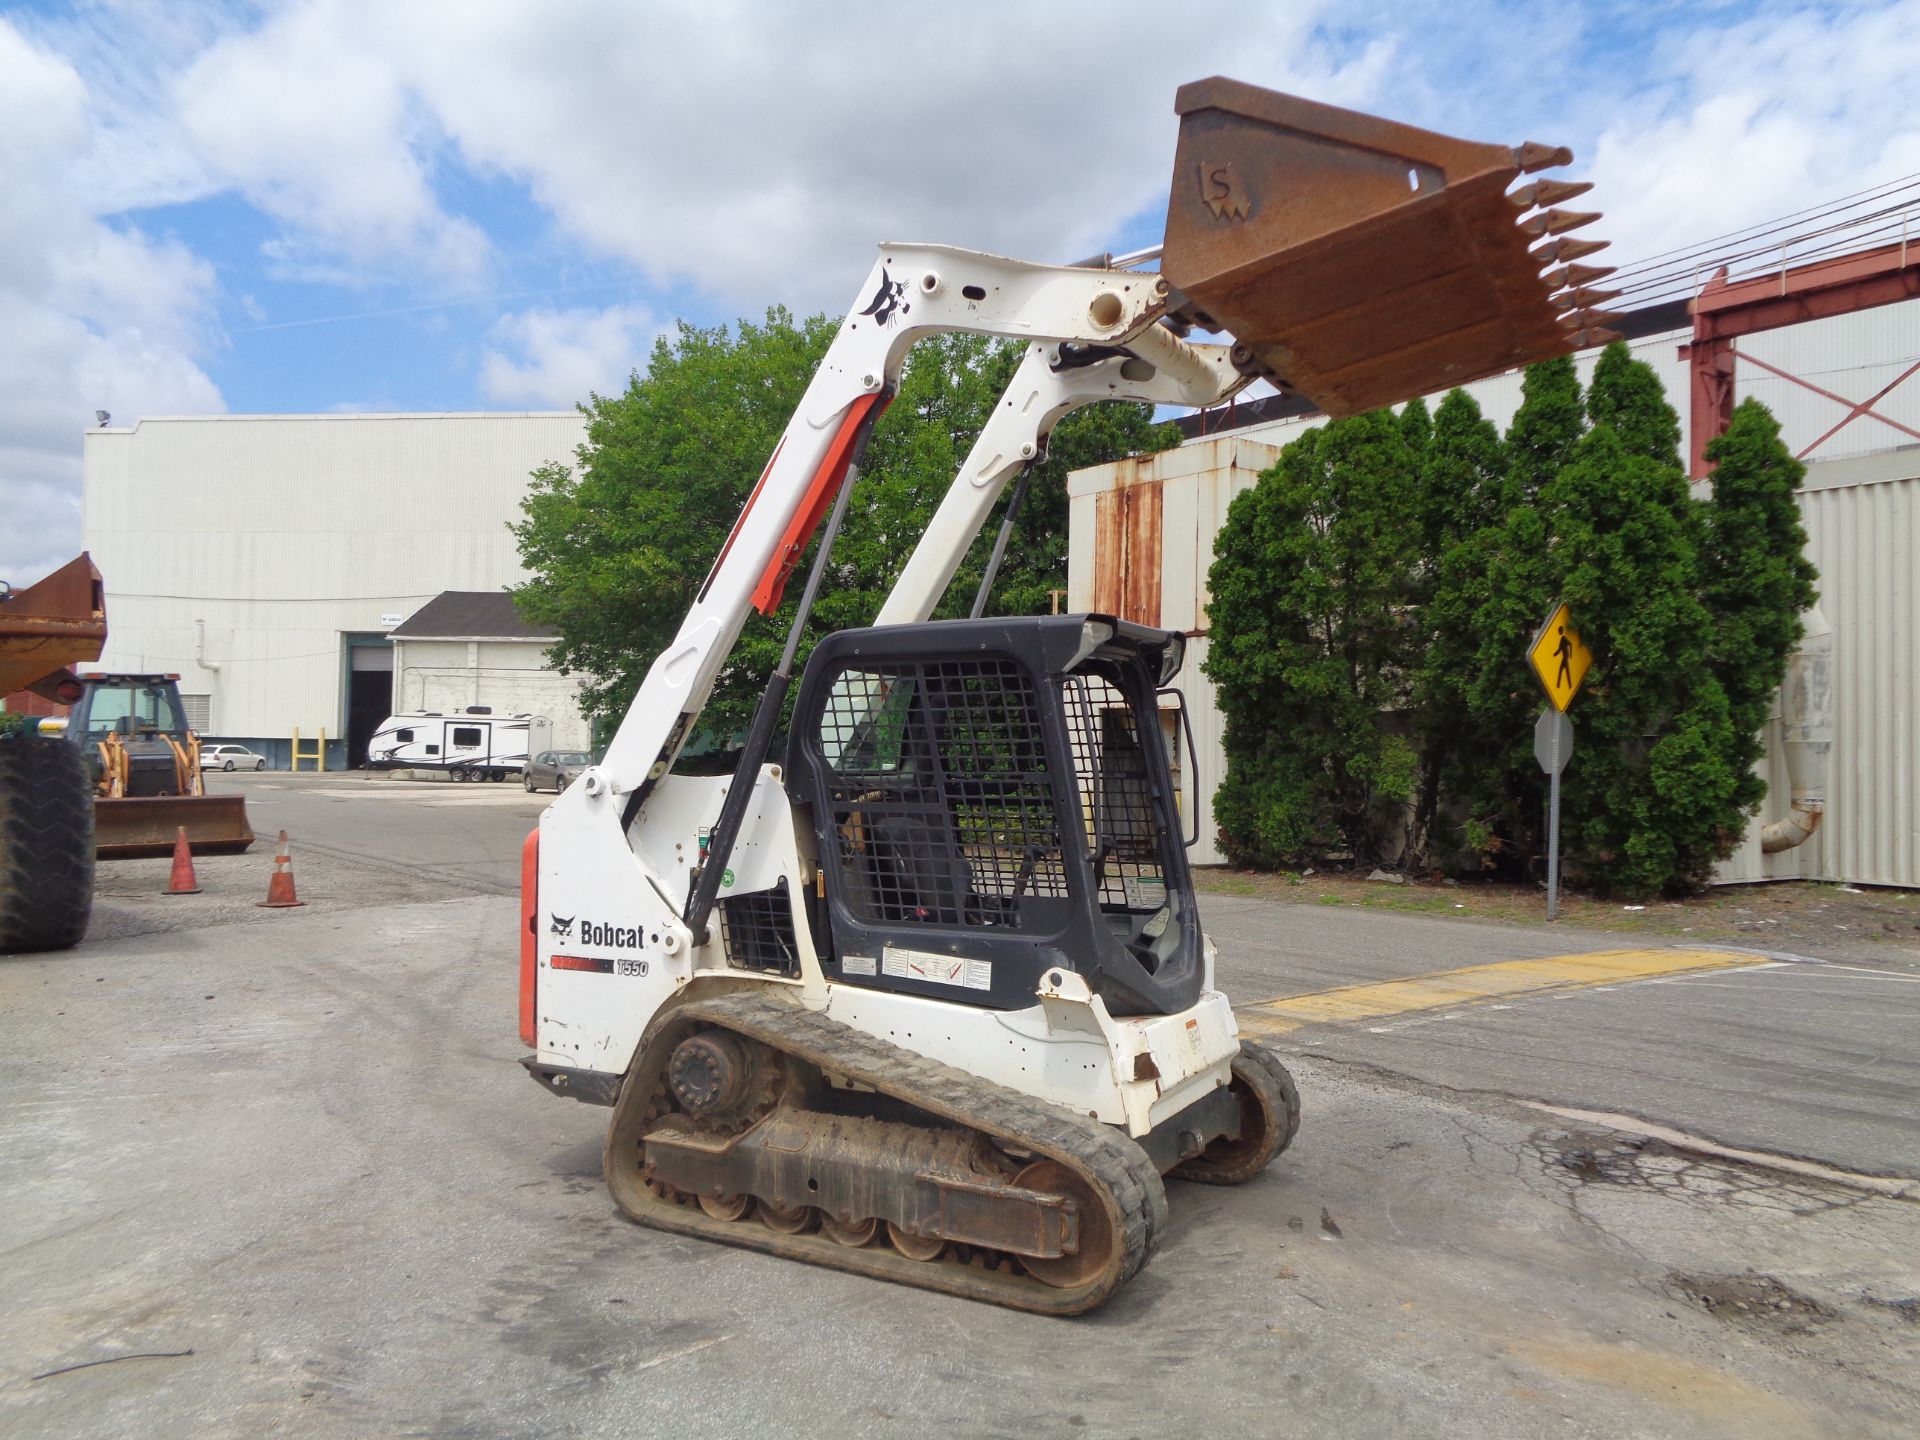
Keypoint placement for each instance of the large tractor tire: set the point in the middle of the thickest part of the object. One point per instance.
(46, 845)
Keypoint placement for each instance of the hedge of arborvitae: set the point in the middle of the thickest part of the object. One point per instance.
(1373, 595)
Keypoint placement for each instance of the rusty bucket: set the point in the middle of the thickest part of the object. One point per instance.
(1361, 262)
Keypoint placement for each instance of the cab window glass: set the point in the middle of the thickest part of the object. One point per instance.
(149, 705)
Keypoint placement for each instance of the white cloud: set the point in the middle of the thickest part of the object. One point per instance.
(736, 154)
(556, 358)
(759, 152)
(310, 117)
(1744, 123)
(94, 316)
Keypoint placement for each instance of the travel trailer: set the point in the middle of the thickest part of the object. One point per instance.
(473, 744)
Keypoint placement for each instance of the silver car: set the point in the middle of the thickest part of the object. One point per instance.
(554, 769)
(230, 757)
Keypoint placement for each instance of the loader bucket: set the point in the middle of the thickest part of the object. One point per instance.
(52, 624)
(1360, 262)
(135, 826)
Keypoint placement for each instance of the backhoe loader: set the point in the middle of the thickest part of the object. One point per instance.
(925, 996)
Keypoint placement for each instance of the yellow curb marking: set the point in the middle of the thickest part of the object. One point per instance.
(1478, 984)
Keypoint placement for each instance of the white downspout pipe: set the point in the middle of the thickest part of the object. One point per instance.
(1806, 724)
(200, 648)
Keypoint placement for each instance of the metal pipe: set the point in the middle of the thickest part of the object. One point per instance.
(1806, 724)
(1107, 260)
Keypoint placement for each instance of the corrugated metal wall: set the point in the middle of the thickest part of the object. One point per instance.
(284, 533)
(1863, 532)
(1862, 509)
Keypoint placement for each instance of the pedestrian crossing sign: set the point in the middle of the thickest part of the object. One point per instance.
(1559, 657)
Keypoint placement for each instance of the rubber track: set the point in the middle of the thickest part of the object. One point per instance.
(1258, 1067)
(1097, 1152)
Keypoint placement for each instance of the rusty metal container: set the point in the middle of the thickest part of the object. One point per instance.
(50, 625)
(1362, 262)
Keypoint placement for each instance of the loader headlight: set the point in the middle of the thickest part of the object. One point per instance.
(1093, 634)
(1172, 658)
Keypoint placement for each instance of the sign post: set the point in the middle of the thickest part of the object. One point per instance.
(1552, 744)
(1560, 658)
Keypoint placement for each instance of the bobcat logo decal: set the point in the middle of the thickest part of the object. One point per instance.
(561, 925)
(887, 299)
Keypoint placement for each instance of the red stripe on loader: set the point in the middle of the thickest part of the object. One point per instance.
(592, 964)
(529, 937)
(741, 523)
(820, 492)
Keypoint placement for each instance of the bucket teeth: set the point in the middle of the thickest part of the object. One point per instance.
(1547, 192)
(1554, 222)
(1587, 339)
(1332, 272)
(1586, 319)
(1534, 156)
(1582, 297)
(1576, 275)
(1555, 251)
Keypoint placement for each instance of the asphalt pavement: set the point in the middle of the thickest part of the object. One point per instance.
(287, 1156)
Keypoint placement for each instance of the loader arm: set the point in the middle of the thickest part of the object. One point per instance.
(913, 291)
(1156, 367)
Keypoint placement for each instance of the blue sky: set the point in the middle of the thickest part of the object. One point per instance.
(487, 204)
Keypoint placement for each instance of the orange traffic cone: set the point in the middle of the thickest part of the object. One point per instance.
(182, 881)
(280, 887)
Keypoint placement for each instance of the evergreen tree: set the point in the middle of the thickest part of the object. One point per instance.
(1651, 802)
(1626, 397)
(1416, 427)
(1309, 647)
(1545, 429)
(1499, 782)
(1758, 579)
(1462, 485)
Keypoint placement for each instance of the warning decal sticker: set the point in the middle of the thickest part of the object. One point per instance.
(938, 969)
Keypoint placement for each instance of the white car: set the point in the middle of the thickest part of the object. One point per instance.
(229, 757)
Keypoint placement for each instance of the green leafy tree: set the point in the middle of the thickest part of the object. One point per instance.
(1758, 579)
(1309, 647)
(618, 543)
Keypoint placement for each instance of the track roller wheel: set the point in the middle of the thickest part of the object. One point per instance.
(726, 1207)
(796, 1221)
(851, 1233)
(915, 1247)
(1269, 1117)
(1096, 1232)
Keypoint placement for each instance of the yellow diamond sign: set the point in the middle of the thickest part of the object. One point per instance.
(1559, 657)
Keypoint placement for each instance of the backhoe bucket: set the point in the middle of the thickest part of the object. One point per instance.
(1360, 262)
(135, 826)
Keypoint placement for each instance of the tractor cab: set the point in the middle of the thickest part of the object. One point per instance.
(991, 799)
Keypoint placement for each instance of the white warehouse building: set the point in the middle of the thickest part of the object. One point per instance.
(1142, 534)
(268, 559)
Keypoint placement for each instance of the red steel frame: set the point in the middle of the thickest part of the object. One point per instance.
(1724, 312)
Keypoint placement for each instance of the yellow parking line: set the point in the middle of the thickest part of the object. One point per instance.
(1479, 984)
